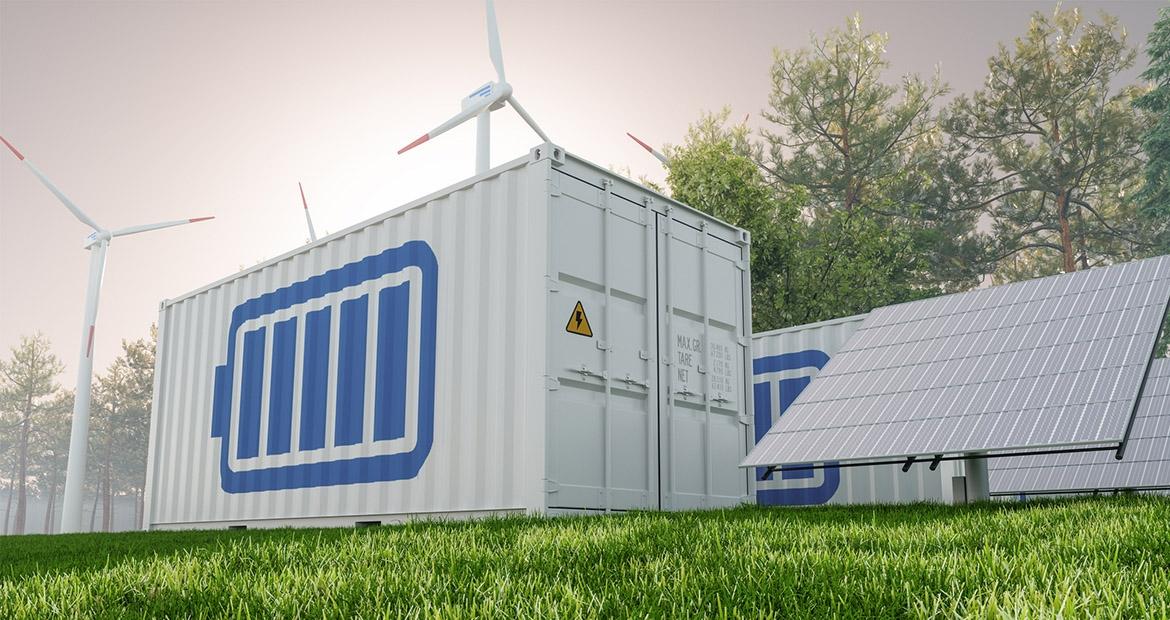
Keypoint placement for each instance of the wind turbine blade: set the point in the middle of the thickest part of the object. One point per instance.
(461, 117)
(77, 212)
(527, 119)
(662, 158)
(308, 220)
(148, 227)
(494, 41)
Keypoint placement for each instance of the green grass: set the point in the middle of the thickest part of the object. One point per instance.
(1092, 558)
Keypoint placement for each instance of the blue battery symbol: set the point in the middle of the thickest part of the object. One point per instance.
(294, 406)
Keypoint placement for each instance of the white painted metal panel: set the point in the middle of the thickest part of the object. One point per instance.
(1051, 362)
(784, 362)
(703, 365)
(1146, 463)
(621, 433)
(602, 412)
(487, 240)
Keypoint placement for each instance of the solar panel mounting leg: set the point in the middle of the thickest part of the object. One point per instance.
(978, 483)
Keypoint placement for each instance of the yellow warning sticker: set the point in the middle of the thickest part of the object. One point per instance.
(579, 323)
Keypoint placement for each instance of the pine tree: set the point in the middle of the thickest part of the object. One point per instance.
(1155, 195)
(28, 381)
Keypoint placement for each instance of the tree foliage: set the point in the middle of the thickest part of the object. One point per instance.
(805, 268)
(121, 425)
(1056, 144)
(1155, 195)
(713, 171)
(850, 142)
(28, 384)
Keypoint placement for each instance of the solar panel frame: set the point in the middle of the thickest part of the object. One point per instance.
(1054, 362)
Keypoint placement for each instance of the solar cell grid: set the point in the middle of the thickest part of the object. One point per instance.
(1051, 362)
(1146, 463)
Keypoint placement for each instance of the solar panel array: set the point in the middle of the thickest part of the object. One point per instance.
(1056, 361)
(1146, 463)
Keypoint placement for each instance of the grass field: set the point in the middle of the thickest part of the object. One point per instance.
(1099, 558)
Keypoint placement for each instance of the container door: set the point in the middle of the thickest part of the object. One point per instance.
(602, 422)
(701, 367)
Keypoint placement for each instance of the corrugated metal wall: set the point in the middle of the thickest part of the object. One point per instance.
(645, 408)
(784, 362)
(488, 243)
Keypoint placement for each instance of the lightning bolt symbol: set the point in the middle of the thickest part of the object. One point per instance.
(578, 314)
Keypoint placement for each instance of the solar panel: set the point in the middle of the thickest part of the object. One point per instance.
(1056, 361)
(1146, 463)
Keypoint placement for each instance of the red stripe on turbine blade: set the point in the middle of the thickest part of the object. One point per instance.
(644, 145)
(200, 219)
(12, 148)
(423, 138)
(303, 201)
(89, 347)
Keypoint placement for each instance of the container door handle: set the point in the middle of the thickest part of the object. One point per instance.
(632, 381)
(585, 372)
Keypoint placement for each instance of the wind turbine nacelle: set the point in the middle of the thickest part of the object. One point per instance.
(490, 91)
(95, 237)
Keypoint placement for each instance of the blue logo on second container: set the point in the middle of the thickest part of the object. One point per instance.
(794, 487)
(331, 380)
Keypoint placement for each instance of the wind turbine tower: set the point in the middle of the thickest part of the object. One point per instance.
(97, 243)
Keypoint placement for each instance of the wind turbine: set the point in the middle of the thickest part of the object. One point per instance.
(662, 158)
(657, 154)
(308, 219)
(482, 102)
(97, 242)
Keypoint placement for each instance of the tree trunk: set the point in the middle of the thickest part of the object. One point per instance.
(139, 508)
(108, 483)
(22, 473)
(8, 510)
(1066, 242)
(52, 503)
(93, 514)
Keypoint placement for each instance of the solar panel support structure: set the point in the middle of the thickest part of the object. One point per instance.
(978, 481)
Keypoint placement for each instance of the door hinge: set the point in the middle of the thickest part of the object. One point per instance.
(551, 284)
(551, 486)
(551, 383)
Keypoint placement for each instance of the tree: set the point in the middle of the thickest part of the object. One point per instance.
(830, 264)
(51, 452)
(28, 380)
(1058, 146)
(851, 143)
(1154, 197)
(121, 425)
(712, 171)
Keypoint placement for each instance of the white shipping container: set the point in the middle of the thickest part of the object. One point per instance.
(546, 337)
(784, 362)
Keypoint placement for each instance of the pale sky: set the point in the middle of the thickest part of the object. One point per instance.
(149, 111)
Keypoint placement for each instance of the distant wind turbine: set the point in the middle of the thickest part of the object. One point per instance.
(662, 158)
(308, 218)
(482, 102)
(658, 154)
(97, 242)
